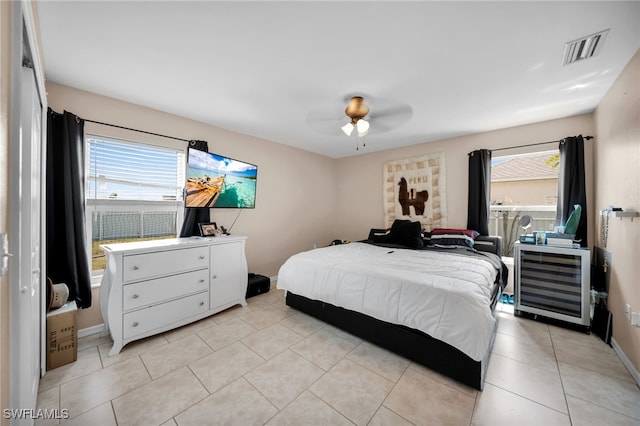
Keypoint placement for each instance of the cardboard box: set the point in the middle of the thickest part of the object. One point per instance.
(62, 335)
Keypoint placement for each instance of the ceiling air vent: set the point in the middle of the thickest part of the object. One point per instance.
(583, 48)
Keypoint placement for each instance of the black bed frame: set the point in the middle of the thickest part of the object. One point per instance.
(410, 343)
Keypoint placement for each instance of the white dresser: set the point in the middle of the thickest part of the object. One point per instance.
(149, 287)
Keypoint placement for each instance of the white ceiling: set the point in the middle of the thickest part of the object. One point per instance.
(284, 71)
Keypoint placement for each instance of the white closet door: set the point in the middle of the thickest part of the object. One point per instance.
(26, 243)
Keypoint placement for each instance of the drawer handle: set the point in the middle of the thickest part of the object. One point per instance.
(136, 267)
(214, 277)
(135, 324)
(201, 257)
(201, 303)
(201, 280)
(135, 296)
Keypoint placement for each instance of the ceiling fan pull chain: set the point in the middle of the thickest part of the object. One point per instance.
(364, 142)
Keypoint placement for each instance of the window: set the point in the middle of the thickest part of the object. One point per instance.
(524, 184)
(133, 192)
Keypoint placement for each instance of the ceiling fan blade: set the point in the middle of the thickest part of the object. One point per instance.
(390, 118)
(326, 111)
(392, 111)
(325, 118)
(326, 124)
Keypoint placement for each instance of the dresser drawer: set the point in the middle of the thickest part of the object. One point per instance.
(147, 319)
(148, 265)
(157, 290)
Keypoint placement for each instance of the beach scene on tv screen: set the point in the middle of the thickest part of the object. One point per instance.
(216, 181)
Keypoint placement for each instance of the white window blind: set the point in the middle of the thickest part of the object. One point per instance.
(128, 171)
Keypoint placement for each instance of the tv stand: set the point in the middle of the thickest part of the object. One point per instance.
(149, 287)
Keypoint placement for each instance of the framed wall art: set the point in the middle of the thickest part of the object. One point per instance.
(415, 189)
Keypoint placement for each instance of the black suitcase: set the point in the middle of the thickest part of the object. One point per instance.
(257, 284)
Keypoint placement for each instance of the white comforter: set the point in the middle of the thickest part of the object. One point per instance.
(444, 295)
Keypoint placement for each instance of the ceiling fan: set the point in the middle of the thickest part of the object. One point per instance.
(357, 110)
(368, 115)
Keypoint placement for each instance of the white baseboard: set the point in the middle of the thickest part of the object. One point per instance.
(90, 330)
(626, 361)
(273, 278)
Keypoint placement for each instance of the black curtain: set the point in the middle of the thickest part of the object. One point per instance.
(479, 191)
(67, 260)
(194, 216)
(571, 184)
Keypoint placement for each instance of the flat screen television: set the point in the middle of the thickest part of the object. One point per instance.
(217, 181)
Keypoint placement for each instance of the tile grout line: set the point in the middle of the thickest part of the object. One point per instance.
(564, 392)
(604, 408)
(391, 391)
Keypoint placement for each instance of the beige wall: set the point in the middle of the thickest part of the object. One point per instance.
(617, 182)
(295, 190)
(91, 317)
(359, 179)
(5, 80)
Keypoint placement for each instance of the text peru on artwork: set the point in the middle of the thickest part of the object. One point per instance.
(414, 188)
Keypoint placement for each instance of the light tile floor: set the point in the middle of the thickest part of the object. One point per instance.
(269, 364)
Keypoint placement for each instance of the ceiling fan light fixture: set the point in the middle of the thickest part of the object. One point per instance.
(356, 111)
(363, 127)
(348, 128)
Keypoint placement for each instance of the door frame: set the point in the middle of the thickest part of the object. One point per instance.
(23, 32)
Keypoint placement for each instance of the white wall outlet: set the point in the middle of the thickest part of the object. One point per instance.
(627, 311)
(635, 319)
(315, 246)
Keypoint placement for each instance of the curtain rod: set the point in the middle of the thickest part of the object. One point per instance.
(136, 130)
(531, 144)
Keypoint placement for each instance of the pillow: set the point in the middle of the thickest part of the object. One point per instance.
(377, 235)
(406, 233)
(453, 237)
(426, 238)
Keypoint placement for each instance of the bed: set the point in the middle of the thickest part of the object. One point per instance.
(432, 301)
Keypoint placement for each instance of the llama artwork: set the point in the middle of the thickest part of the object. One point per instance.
(407, 199)
(414, 189)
